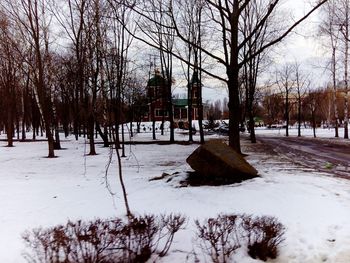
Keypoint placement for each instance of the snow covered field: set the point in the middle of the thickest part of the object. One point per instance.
(36, 191)
(307, 132)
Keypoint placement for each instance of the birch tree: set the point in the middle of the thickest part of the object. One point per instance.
(343, 13)
(330, 30)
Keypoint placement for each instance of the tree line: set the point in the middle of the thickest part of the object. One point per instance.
(295, 103)
(72, 64)
(309, 107)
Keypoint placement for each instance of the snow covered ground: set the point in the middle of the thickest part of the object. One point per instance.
(37, 191)
(307, 132)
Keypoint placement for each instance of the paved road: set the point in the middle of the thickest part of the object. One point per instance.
(327, 155)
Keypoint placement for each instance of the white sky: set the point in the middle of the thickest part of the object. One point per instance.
(303, 44)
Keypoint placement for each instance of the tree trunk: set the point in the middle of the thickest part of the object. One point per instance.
(250, 99)
(171, 114)
(153, 122)
(138, 126)
(233, 83)
(200, 109)
(336, 117)
(234, 111)
(189, 112)
(252, 127)
(346, 58)
(346, 116)
(24, 97)
(9, 129)
(120, 172)
(131, 128)
(299, 115)
(200, 99)
(314, 123)
(91, 129)
(189, 99)
(23, 129)
(57, 144)
(50, 141)
(123, 141)
(66, 129)
(128, 212)
(162, 124)
(103, 135)
(287, 114)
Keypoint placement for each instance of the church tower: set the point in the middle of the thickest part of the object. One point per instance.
(157, 96)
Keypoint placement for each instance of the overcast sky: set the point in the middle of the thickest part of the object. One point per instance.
(303, 45)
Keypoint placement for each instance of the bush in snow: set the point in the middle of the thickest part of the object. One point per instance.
(76, 241)
(264, 235)
(104, 240)
(220, 237)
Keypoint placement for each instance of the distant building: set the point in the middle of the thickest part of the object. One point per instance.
(157, 94)
(180, 107)
(195, 85)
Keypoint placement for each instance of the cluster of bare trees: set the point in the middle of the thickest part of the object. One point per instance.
(232, 39)
(292, 82)
(295, 102)
(19, 99)
(335, 30)
(67, 63)
(78, 83)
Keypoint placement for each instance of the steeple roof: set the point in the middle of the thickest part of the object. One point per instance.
(195, 78)
(156, 80)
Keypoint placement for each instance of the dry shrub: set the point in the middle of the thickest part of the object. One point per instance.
(104, 240)
(264, 235)
(220, 237)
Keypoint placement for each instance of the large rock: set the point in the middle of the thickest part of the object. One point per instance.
(217, 163)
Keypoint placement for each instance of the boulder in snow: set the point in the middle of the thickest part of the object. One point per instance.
(217, 163)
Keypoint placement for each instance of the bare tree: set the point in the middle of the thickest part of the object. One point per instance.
(95, 34)
(343, 13)
(330, 29)
(85, 28)
(285, 79)
(257, 37)
(75, 26)
(191, 23)
(188, 22)
(312, 103)
(117, 67)
(301, 85)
